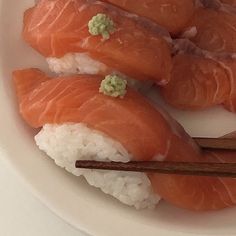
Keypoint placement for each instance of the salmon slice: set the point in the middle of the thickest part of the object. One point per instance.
(147, 133)
(215, 30)
(31, 80)
(198, 83)
(137, 48)
(171, 14)
(197, 193)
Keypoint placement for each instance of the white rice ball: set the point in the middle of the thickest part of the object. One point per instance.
(82, 63)
(75, 63)
(70, 142)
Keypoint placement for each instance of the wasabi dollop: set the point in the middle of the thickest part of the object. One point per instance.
(101, 24)
(114, 86)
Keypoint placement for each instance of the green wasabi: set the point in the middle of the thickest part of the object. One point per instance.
(114, 86)
(101, 24)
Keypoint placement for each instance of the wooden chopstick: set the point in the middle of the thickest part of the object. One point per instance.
(217, 143)
(177, 168)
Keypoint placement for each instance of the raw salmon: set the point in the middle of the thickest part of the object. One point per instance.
(144, 131)
(137, 48)
(215, 30)
(198, 83)
(197, 193)
(171, 14)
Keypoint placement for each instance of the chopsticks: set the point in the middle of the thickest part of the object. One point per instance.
(177, 168)
(217, 143)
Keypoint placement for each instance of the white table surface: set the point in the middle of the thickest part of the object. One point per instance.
(21, 214)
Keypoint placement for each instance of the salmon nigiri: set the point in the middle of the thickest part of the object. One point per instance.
(98, 35)
(198, 83)
(171, 14)
(143, 131)
(215, 30)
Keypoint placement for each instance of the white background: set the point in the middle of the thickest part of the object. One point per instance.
(21, 214)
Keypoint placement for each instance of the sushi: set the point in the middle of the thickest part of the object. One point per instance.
(171, 14)
(67, 139)
(93, 37)
(80, 119)
(201, 79)
(199, 83)
(215, 30)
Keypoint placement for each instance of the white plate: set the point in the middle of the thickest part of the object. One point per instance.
(70, 197)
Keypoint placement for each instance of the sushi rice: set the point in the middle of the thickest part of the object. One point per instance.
(75, 63)
(82, 63)
(70, 142)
